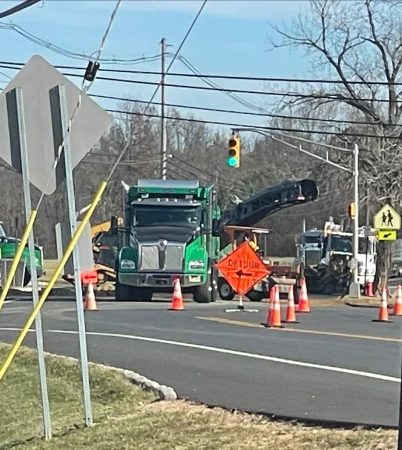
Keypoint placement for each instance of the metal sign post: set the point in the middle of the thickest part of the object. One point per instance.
(60, 96)
(17, 137)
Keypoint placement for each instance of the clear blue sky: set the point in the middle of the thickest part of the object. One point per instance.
(230, 38)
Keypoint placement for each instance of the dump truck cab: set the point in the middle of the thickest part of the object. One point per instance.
(171, 230)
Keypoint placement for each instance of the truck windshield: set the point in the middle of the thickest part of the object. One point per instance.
(365, 245)
(2, 231)
(311, 240)
(159, 216)
(342, 244)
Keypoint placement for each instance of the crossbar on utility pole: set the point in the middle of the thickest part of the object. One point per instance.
(163, 119)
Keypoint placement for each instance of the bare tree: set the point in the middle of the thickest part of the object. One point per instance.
(359, 44)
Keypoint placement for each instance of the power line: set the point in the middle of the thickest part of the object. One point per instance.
(178, 50)
(230, 111)
(199, 169)
(238, 125)
(73, 55)
(18, 8)
(232, 77)
(338, 97)
(119, 158)
(84, 89)
(206, 174)
(210, 83)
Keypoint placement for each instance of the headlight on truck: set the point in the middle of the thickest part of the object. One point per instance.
(127, 264)
(198, 264)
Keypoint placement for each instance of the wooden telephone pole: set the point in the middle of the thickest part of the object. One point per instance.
(163, 120)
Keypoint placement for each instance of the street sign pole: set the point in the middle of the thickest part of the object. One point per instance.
(76, 258)
(240, 307)
(47, 424)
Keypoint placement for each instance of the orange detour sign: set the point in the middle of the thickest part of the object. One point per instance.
(242, 269)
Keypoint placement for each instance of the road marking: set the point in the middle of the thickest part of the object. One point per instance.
(302, 330)
(290, 362)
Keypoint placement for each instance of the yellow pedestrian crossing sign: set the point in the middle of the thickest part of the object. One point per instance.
(387, 219)
(387, 235)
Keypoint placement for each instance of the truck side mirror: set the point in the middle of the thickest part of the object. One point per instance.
(216, 225)
(113, 226)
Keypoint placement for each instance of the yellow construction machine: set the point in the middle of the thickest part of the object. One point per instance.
(104, 248)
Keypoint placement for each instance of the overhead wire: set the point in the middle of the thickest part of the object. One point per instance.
(17, 8)
(230, 77)
(312, 96)
(157, 88)
(205, 174)
(84, 90)
(233, 96)
(231, 111)
(233, 125)
(70, 54)
(174, 156)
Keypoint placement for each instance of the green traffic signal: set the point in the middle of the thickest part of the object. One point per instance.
(233, 158)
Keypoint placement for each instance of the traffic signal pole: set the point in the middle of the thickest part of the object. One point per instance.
(354, 288)
(163, 119)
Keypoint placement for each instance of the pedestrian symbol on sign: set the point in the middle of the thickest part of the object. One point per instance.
(388, 216)
(387, 219)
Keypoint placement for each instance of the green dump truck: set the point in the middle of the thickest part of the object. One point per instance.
(171, 230)
(8, 249)
(175, 229)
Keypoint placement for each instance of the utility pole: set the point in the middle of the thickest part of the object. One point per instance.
(163, 120)
(354, 288)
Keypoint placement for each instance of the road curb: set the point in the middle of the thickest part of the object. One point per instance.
(303, 421)
(164, 392)
(367, 305)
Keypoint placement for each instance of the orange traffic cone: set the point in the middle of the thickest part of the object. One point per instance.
(177, 300)
(272, 294)
(398, 302)
(275, 317)
(304, 302)
(290, 311)
(90, 301)
(271, 305)
(383, 312)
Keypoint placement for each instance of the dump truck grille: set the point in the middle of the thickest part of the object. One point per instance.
(155, 258)
(312, 257)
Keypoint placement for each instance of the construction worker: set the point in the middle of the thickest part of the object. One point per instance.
(253, 245)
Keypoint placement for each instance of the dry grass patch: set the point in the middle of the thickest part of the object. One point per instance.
(128, 419)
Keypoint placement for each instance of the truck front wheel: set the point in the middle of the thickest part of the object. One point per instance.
(255, 296)
(225, 290)
(208, 292)
(122, 292)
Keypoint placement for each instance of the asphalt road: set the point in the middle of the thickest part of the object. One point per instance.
(336, 364)
(394, 282)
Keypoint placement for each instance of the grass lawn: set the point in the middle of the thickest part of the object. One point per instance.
(127, 418)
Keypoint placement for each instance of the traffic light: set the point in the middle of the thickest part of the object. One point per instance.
(234, 152)
(352, 210)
